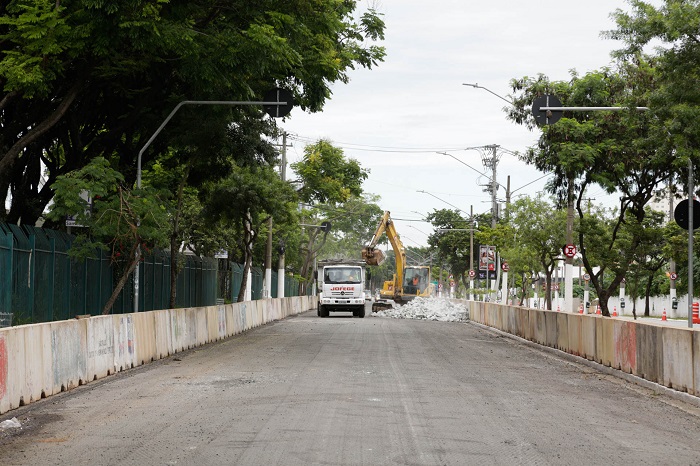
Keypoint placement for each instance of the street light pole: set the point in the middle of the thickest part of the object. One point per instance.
(157, 132)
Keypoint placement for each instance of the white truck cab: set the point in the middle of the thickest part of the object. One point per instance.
(341, 285)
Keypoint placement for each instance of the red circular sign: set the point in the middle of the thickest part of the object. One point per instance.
(674, 276)
(570, 250)
(586, 277)
(505, 267)
(472, 274)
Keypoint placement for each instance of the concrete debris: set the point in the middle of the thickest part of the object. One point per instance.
(428, 309)
(10, 424)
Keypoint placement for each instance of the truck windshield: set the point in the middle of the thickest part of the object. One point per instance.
(342, 275)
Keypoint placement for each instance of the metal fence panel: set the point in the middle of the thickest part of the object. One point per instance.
(39, 282)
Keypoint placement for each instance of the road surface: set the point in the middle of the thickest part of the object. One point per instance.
(349, 391)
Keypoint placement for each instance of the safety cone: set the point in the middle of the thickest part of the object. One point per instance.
(614, 311)
(580, 309)
(696, 313)
(597, 309)
(663, 316)
(558, 310)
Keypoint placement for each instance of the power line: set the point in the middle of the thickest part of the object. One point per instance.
(371, 148)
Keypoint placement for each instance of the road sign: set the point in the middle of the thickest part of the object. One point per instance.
(505, 267)
(680, 214)
(278, 95)
(472, 274)
(674, 276)
(586, 276)
(546, 117)
(570, 250)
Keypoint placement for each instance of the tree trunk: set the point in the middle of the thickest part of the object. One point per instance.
(249, 238)
(136, 254)
(647, 292)
(8, 159)
(306, 265)
(548, 290)
(523, 296)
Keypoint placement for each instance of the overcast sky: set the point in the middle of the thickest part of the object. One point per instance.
(394, 119)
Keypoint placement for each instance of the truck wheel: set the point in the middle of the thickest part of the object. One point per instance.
(323, 311)
(361, 312)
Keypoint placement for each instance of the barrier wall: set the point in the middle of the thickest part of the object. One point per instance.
(39, 360)
(665, 355)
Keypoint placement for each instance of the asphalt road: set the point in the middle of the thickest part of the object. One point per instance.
(344, 391)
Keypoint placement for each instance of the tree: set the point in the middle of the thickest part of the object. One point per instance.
(186, 171)
(532, 240)
(247, 198)
(117, 220)
(452, 241)
(85, 79)
(353, 224)
(325, 177)
(619, 151)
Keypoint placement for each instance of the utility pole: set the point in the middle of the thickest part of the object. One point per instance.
(471, 253)
(280, 267)
(671, 263)
(569, 264)
(489, 158)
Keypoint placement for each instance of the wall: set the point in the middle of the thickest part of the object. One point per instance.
(667, 355)
(40, 360)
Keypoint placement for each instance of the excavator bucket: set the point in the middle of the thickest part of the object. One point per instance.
(373, 256)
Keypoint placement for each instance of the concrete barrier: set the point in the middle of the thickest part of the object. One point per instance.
(659, 353)
(604, 341)
(588, 338)
(562, 341)
(146, 336)
(40, 360)
(650, 353)
(551, 328)
(573, 331)
(678, 359)
(625, 341)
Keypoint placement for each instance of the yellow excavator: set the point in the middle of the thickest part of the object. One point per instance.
(408, 282)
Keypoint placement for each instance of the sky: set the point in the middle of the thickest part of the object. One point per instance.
(396, 118)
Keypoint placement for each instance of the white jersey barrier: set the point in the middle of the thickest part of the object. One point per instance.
(648, 348)
(40, 360)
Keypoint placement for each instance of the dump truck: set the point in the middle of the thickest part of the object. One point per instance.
(408, 282)
(341, 287)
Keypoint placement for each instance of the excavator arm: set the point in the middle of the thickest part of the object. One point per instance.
(373, 256)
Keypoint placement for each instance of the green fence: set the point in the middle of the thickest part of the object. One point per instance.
(39, 282)
(291, 284)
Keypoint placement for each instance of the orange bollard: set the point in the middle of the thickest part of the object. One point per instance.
(696, 313)
(597, 309)
(614, 314)
(580, 309)
(663, 316)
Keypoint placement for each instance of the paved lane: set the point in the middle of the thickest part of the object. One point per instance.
(339, 391)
